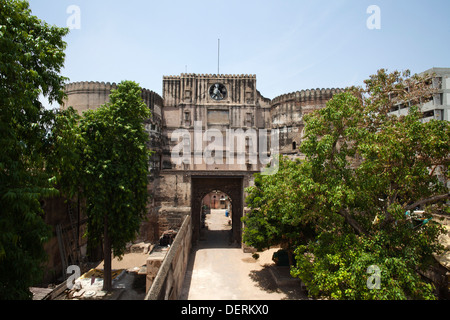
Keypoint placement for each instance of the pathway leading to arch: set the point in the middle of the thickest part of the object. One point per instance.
(218, 270)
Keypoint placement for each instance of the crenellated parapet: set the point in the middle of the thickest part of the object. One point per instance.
(89, 87)
(188, 97)
(194, 89)
(288, 111)
(210, 76)
(86, 95)
(306, 96)
(154, 101)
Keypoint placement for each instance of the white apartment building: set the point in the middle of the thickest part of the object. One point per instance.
(439, 107)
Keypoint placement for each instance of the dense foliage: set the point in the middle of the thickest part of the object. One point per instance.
(114, 169)
(31, 57)
(348, 207)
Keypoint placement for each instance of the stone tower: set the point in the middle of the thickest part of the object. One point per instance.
(195, 112)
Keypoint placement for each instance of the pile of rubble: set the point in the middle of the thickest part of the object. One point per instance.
(133, 263)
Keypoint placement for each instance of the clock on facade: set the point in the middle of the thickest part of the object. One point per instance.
(218, 92)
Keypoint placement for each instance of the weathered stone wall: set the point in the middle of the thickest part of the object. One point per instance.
(56, 213)
(84, 96)
(169, 280)
(288, 111)
(194, 89)
(187, 101)
(90, 95)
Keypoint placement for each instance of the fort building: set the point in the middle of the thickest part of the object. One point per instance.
(210, 134)
(213, 132)
(195, 112)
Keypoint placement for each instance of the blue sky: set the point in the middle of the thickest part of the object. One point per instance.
(289, 44)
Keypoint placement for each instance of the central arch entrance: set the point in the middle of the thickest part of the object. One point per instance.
(201, 186)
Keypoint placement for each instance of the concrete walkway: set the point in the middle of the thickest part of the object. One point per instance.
(218, 270)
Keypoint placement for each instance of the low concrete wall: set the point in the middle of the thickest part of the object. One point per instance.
(169, 280)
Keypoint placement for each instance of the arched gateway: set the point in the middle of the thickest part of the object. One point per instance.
(232, 186)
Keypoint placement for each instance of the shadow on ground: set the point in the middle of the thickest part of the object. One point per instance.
(265, 281)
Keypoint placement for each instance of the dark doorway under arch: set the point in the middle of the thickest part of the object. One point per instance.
(232, 186)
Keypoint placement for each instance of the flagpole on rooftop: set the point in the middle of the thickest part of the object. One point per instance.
(218, 57)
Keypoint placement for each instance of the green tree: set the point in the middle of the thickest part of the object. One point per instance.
(277, 204)
(364, 174)
(63, 157)
(31, 57)
(114, 164)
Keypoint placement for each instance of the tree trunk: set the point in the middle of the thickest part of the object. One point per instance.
(291, 257)
(107, 279)
(290, 253)
(352, 222)
(428, 200)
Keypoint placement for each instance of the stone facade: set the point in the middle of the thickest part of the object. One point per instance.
(187, 102)
(287, 112)
(205, 103)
